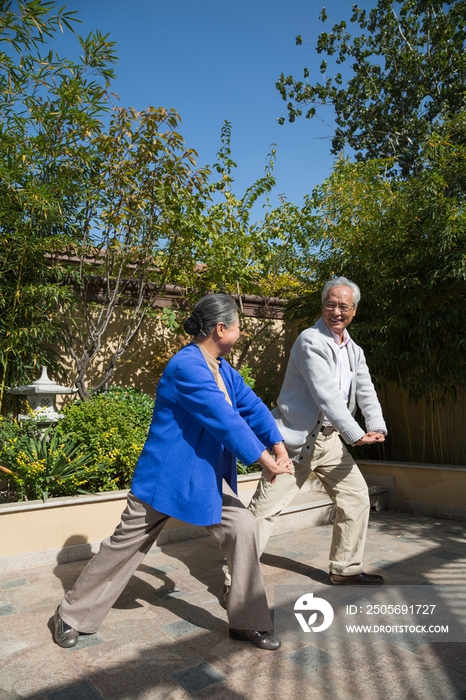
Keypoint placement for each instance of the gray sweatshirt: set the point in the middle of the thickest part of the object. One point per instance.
(310, 392)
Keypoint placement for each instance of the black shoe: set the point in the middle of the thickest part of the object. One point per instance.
(65, 636)
(356, 580)
(262, 640)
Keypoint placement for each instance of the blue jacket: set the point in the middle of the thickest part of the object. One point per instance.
(195, 437)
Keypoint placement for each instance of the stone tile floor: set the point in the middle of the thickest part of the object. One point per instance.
(166, 637)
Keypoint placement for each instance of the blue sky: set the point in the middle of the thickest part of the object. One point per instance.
(212, 60)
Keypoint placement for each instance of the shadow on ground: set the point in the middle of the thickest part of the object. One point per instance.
(167, 636)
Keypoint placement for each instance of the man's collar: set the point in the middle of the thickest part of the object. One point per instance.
(346, 338)
(323, 328)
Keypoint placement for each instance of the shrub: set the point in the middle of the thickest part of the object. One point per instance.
(38, 464)
(113, 425)
(142, 404)
(243, 469)
(14, 436)
(246, 373)
(50, 465)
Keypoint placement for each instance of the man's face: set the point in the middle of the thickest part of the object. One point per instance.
(334, 318)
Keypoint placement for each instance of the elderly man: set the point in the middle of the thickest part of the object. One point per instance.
(326, 379)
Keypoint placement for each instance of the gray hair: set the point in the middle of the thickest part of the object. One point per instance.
(208, 311)
(339, 282)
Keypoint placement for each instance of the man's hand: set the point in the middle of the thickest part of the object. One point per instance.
(370, 438)
(271, 468)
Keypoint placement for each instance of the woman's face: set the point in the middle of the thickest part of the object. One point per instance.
(227, 336)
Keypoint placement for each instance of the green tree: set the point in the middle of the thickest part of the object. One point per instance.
(228, 249)
(407, 68)
(139, 217)
(404, 242)
(49, 109)
(244, 254)
(241, 254)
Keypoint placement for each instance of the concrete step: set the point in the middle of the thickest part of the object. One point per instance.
(312, 506)
(310, 509)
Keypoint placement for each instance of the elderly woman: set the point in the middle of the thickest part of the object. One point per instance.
(204, 417)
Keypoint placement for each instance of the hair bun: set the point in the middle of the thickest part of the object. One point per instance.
(194, 324)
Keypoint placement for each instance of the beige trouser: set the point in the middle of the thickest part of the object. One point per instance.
(106, 575)
(333, 465)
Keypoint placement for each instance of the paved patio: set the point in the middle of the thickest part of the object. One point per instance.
(166, 637)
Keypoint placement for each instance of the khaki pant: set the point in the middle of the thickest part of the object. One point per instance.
(333, 465)
(106, 575)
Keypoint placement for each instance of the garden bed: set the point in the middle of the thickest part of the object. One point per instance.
(70, 528)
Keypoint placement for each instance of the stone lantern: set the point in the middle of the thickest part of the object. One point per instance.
(42, 396)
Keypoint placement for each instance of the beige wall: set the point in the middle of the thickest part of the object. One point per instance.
(71, 523)
(423, 483)
(417, 432)
(155, 345)
(63, 522)
(144, 362)
(50, 528)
